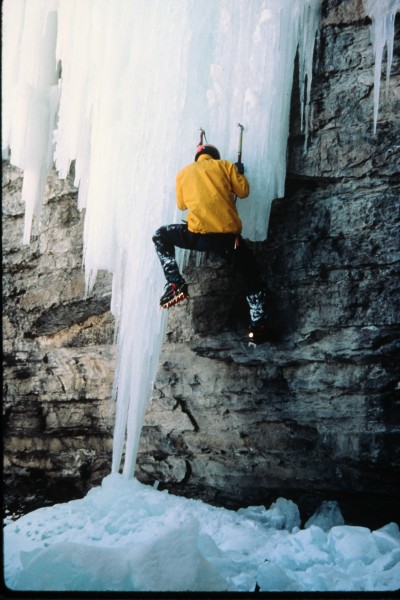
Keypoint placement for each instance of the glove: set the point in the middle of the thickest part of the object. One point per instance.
(240, 168)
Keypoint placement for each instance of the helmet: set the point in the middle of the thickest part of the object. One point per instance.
(207, 149)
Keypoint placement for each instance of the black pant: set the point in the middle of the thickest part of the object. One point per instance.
(223, 244)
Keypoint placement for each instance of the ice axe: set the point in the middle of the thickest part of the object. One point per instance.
(202, 134)
(240, 142)
(237, 239)
(240, 147)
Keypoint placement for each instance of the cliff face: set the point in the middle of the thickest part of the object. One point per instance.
(311, 415)
(314, 413)
(58, 354)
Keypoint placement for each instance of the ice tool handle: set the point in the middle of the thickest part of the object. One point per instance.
(239, 153)
(240, 142)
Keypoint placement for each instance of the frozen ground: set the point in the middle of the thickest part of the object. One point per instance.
(126, 536)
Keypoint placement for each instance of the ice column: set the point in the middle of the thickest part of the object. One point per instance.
(382, 13)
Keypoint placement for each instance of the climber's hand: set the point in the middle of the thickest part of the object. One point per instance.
(240, 168)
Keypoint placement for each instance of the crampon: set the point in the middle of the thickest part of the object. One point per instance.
(174, 293)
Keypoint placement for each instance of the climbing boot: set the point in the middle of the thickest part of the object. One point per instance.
(257, 333)
(174, 293)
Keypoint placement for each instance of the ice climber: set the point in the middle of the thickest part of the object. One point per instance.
(207, 187)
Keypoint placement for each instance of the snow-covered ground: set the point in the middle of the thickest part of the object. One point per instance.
(126, 536)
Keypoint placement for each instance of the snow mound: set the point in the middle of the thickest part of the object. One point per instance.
(126, 536)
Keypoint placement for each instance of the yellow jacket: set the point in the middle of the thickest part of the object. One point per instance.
(207, 188)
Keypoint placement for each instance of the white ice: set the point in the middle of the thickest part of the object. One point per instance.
(126, 536)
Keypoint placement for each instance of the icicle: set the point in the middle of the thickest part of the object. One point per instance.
(13, 24)
(34, 93)
(308, 25)
(382, 13)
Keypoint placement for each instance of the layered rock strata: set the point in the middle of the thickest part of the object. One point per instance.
(58, 354)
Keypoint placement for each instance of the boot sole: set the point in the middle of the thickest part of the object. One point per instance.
(175, 300)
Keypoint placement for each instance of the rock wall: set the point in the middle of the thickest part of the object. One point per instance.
(58, 354)
(313, 414)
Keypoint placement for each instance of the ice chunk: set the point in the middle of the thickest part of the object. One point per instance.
(137, 567)
(74, 567)
(269, 518)
(290, 512)
(391, 529)
(328, 578)
(272, 578)
(302, 549)
(283, 514)
(350, 543)
(383, 574)
(385, 539)
(326, 516)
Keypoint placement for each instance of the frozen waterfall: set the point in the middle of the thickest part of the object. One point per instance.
(122, 88)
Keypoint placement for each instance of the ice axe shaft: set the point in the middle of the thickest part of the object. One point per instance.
(239, 159)
(202, 134)
(240, 142)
